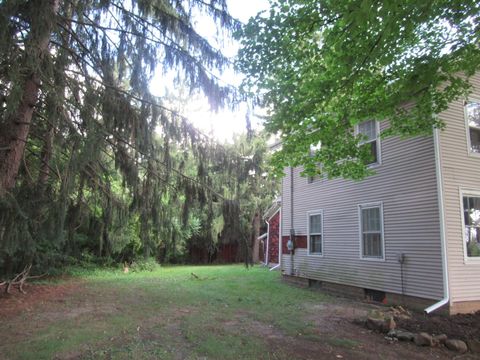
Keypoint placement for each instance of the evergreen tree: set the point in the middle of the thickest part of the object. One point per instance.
(90, 161)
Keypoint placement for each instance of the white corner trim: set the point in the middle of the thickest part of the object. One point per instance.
(443, 240)
(275, 213)
(280, 238)
(379, 146)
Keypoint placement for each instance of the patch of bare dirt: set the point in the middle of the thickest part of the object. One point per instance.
(145, 333)
(463, 326)
(337, 337)
(333, 336)
(15, 303)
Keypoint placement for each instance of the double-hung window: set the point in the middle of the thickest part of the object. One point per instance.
(313, 149)
(472, 114)
(315, 232)
(371, 231)
(370, 139)
(317, 177)
(471, 220)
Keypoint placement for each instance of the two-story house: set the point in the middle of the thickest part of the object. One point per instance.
(410, 233)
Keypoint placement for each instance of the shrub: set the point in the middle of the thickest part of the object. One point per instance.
(149, 264)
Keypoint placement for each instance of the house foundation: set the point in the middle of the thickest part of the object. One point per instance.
(380, 297)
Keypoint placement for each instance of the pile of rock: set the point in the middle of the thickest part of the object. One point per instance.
(388, 326)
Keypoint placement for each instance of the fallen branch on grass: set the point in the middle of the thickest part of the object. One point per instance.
(20, 279)
(205, 278)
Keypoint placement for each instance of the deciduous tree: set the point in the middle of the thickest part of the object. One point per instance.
(322, 67)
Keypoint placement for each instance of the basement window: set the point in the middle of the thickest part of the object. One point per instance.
(472, 114)
(471, 221)
(374, 295)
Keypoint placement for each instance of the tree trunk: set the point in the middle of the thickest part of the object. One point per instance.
(100, 240)
(73, 218)
(256, 234)
(16, 128)
(46, 156)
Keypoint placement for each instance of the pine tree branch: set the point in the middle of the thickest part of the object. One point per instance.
(193, 37)
(172, 47)
(148, 156)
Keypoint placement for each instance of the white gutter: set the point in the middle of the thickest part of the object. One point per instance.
(446, 292)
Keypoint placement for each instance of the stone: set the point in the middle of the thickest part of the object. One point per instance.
(405, 336)
(423, 339)
(439, 339)
(359, 321)
(375, 324)
(474, 346)
(380, 324)
(456, 345)
(392, 333)
(390, 324)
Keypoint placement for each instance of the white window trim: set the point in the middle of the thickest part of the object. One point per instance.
(378, 204)
(467, 128)
(379, 144)
(310, 213)
(467, 259)
(318, 178)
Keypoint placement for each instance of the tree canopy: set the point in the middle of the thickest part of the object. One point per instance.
(322, 67)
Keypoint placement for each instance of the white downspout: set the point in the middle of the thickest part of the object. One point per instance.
(279, 238)
(280, 235)
(446, 292)
(268, 243)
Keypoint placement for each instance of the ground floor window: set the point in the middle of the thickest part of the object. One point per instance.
(471, 220)
(315, 233)
(371, 231)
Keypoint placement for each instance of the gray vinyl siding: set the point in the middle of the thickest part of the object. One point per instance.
(459, 171)
(406, 185)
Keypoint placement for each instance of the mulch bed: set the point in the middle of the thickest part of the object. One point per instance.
(463, 326)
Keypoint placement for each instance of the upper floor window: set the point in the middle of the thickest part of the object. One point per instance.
(371, 230)
(471, 219)
(313, 149)
(317, 177)
(315, 233)
(369, 130)
(472, 113)
(311, 179)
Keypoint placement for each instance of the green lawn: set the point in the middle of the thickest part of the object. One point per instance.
(228, 312)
